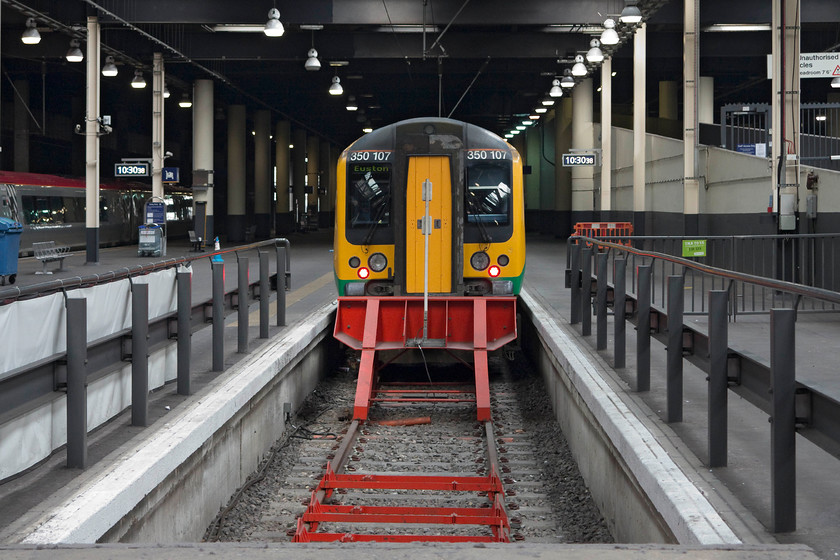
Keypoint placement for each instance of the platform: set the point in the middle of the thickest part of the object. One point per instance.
(740, 490)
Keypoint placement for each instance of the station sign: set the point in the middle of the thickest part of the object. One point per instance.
(155, 213)
(579, 160)
(813, 65)
(694, 248)
(133, 169)
(170, 174)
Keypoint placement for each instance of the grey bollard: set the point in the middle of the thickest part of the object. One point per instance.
(76, 382)
(783, 419)
(264, 297)
(184, 279)
(242, 306)
(674, 366)
(643, 328)
(586, 296)
(575, 278)
(281, 286)
(620, 323)
(139, 354)
(601, 303)
(718, 377)
(218, 316)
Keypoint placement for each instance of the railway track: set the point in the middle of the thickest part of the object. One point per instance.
(432, 480)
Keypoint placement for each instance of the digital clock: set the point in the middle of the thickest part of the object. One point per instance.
(575, 160)
(131, 170)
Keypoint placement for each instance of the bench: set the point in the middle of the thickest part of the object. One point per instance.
(197, 242)
(47, 252)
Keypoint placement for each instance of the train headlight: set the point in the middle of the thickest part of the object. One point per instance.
(363, 273)
(354, 262)
(479, 260)
(377, 262)
(494, 271)
(503, 260)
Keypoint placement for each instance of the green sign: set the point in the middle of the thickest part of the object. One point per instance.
(694, 248)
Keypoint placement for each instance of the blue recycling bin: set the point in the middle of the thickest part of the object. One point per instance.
(10, 232)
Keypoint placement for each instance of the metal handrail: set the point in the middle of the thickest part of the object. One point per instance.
(13, 293)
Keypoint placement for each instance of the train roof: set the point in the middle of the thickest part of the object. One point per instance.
(475, 136)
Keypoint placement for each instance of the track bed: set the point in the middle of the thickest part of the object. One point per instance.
(544, 496)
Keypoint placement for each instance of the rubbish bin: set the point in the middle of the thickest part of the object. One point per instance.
(10, 232)
(151, 241)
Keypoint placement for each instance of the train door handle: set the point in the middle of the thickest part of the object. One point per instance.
(437, 224)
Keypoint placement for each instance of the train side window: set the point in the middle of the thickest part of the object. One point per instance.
(43, 210)
(74, 209)
(488, 194)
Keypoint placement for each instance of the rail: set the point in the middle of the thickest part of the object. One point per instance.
(26, 384)
(793, 405)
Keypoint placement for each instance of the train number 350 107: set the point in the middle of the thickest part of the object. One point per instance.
(487, 154)
(370, 155)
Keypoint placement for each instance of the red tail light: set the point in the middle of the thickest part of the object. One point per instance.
(363, 273)
(494, 271)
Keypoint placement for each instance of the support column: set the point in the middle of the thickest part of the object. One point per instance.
(606, 138)
(236, 173)
(691, 74)
(157, 125)
(785, 112)
(284, 222)
(639, 115)
(92, 144)
(21, 124)
(313, 177)
(262, 175)
(327, 191)
(203, 158)
(562, 215)
(583, 182)
(298, 173)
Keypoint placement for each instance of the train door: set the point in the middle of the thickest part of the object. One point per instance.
(435, 169)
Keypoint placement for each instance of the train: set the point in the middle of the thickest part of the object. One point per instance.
(459, 183)
(52, 208)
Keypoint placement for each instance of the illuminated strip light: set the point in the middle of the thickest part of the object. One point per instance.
(718, 27)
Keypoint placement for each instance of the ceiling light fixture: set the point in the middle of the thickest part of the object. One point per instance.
(595, 55)
(138, 81)
(30, 35)
(367, 128)
(185, 101)
(520, 127)
(534, 119)
(609, 36)
(738, 27)
(75, 54)
(312, 63)
(541, 110)
(110, 68)
(548, 101)
(556, 90)
(567, 81)
(273, 27)
(631, 14)
(166, 93)
(351, 103)
(579, 69)
(335, 87)
(835, 83)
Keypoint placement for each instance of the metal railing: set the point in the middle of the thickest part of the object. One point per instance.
(70, 371)
(808, 259)
(794, 406)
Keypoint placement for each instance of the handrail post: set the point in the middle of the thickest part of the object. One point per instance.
(242, 305)
(184, 287)
(574, 316)
(718, 425)
(586, 299)
(139, 354)
(783, 419)
(619, 315)
(218, 316)
(264, 297)
(601, 302)
(281, 285)
(76, 382)
(674, 374)
(643, 328)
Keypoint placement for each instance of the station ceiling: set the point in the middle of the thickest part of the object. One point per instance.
(484, 61)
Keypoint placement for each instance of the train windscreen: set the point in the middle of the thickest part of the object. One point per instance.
(369, 195)
(489, 193)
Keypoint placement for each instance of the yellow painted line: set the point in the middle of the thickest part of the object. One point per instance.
(291, 298)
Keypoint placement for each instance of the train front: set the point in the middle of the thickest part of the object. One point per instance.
(429, 245)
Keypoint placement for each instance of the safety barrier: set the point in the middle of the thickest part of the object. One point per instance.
(603, 230)
(795, 407)
(69, 368)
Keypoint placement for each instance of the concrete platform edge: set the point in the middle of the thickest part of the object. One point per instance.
(688, 514)
(119, 487)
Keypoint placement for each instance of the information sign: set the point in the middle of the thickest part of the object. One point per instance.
(694, 248)
(578, 159)
(170, 174)
(137, 169)
(155, 213)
